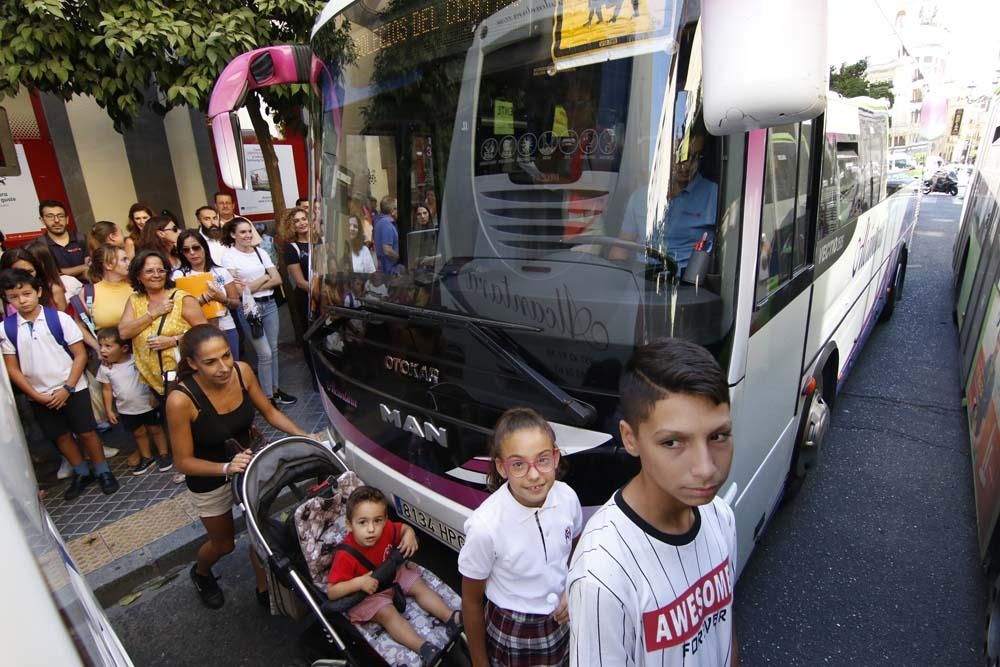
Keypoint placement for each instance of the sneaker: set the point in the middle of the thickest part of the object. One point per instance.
(281, 398)
(77, 485)
(164, 462)
(428, 653)
(65, 470)
(208, 589)
(108, 483)
(143, 466)
(110, 452)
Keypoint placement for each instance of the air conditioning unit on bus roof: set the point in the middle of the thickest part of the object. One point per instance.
(765, 63)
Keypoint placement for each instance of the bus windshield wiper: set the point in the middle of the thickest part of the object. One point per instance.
(579, 412)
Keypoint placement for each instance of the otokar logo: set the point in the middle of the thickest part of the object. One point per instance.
(411, 369)
(425, 430)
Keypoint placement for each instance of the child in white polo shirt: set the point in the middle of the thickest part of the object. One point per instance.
(45, 358)
(517, 548)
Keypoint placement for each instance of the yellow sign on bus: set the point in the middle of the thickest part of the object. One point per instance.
(584, 30)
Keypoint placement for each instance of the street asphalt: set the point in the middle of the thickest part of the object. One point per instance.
(874, 563)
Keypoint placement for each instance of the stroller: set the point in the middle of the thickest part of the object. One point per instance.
(298, 550)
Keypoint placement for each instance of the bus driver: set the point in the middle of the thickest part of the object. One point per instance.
(692, 208)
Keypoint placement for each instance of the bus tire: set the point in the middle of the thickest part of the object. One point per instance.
(813, 427)
(895, 291)
(991, 640)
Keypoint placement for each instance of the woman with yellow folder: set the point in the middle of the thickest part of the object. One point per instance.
(213, 286)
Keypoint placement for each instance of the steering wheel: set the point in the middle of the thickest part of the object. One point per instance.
(668, 262)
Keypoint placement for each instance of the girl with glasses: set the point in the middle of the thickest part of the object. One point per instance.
(517, 548)
(195, 258)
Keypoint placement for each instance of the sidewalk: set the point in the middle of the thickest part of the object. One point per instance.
(149, 526)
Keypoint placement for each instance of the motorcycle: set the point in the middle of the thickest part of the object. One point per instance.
(942, 181)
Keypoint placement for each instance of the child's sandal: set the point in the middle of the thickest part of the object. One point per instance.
(428, 653)
(454, 622)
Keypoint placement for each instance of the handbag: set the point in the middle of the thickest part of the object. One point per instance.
(278, 292)
(169, 377)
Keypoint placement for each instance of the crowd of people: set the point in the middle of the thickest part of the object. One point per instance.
(93, 324)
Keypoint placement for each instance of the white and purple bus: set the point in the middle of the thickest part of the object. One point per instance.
(677, 168)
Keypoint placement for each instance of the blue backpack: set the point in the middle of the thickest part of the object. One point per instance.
(51, 319)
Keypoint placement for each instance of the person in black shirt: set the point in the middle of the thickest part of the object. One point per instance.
(69, 250)
(215, 401)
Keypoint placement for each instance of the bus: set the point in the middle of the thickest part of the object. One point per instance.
(51, 616)
(591, 186)
(976, 262)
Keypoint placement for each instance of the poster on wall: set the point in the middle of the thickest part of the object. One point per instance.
(981, 393)
(257, 199)
(586, 30)
(18, 199)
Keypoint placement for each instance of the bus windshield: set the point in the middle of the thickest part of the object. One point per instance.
(498, 160)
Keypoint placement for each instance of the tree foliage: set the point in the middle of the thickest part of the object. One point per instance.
(130, 54)
(850, 81)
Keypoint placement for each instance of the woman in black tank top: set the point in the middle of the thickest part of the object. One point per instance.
(215, 400)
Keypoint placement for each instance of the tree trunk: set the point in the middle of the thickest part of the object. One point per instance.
(263, 132)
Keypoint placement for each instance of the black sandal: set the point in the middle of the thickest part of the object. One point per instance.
(428, 653)
(454, 623)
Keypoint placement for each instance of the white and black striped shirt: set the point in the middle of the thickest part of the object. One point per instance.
(638, 596)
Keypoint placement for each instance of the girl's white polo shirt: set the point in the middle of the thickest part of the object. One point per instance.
(522, 552)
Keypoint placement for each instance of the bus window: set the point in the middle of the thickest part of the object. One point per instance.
(799, 252)
(777, 223)
(850, 202)
(828, 190)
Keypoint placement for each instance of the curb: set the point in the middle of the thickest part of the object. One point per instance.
(158, 558)
(124, 575)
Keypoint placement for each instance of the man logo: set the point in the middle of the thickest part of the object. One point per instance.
(427, 430)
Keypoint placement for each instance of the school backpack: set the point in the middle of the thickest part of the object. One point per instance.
(51, 319)
(84, 306)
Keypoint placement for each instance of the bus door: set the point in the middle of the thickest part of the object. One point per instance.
(769, 397)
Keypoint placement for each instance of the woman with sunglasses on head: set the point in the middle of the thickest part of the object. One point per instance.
(155, 317)
(193, 252)
(160, 234)
(138, 215)
(254, 268)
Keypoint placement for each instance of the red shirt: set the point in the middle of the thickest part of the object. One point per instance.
(346, 567)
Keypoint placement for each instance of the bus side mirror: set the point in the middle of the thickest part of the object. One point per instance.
(229, 149)
(765, 63)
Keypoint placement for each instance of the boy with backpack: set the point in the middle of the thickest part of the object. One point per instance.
(651, 580)
(45, 357)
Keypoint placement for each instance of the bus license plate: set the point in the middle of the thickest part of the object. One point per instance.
(430, 524)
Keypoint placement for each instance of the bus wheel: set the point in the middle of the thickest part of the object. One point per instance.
(812, 431)
(991, 644)
(895, 290)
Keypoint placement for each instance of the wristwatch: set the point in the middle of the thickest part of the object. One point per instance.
(68, 388)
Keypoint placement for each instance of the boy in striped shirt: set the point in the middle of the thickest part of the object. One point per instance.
(651, 580)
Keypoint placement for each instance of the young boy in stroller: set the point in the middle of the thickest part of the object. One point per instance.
(371, 541)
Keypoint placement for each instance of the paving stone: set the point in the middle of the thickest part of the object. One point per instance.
(90, 552)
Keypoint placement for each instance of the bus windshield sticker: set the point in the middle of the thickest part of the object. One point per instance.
(587, 31)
